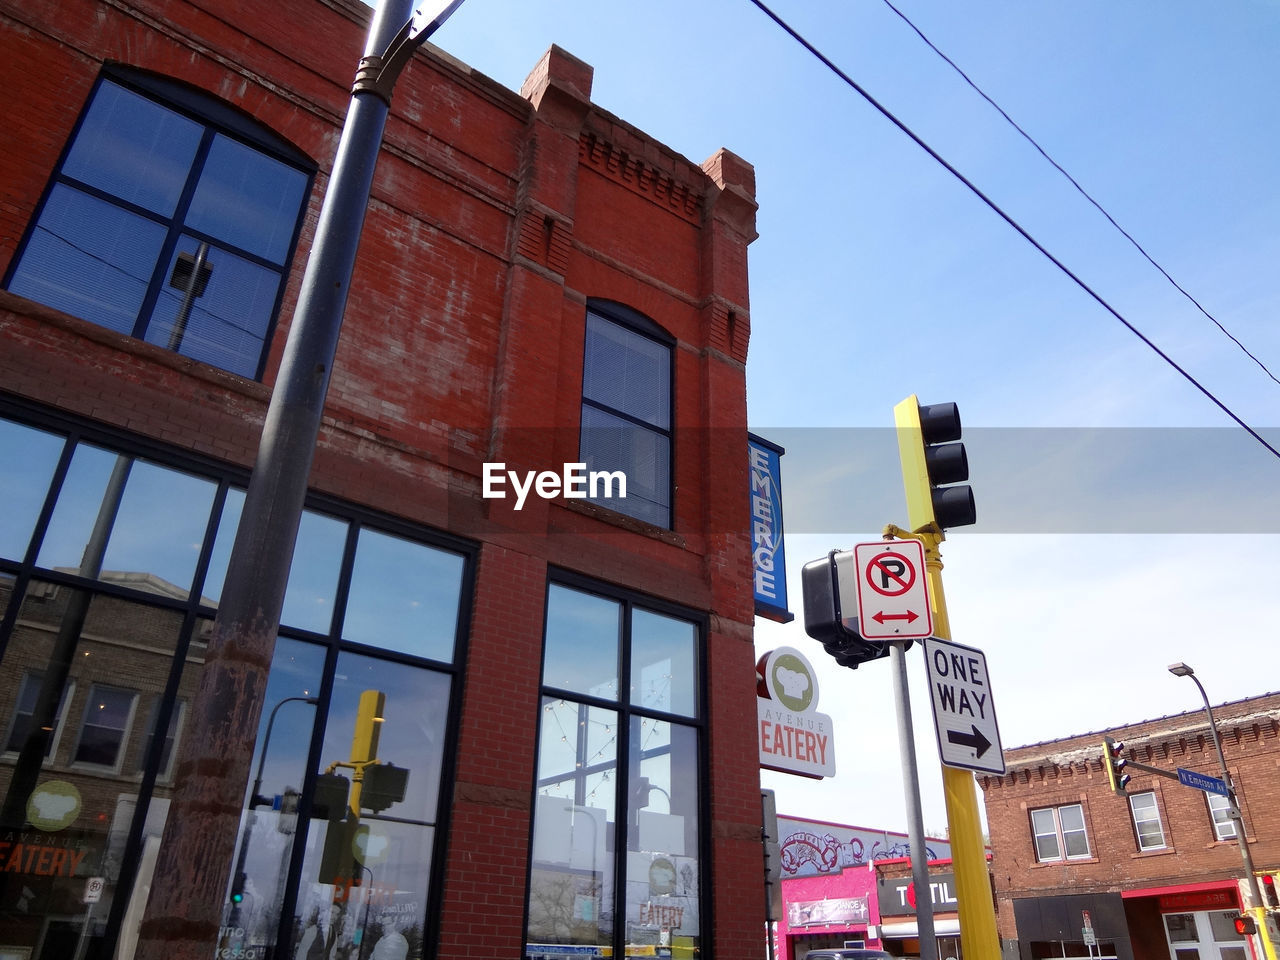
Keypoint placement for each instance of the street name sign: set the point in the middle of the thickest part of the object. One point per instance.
(1202, 781)
(964, 713)
(893, 590)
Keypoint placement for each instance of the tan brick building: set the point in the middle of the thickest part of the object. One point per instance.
(1158, 871)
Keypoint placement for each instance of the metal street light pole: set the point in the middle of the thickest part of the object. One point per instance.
(185, 910)
(1255, 894)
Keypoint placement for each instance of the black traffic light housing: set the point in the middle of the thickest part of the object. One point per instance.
(826, 621)
(383, 785)
(1245, 926)
(1113, 762)
(1267, 887)
(934, 464)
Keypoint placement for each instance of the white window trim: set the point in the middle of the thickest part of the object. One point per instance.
(1155, 810)
(1217, 824)
(1060, 835)
(118, 765)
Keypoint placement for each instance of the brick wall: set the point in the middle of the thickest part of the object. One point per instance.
(495, 215)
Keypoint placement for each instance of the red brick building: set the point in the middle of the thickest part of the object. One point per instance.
(1158, 871)
(568, 681)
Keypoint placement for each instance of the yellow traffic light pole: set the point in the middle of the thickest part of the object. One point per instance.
(364, 743)
(979, 939)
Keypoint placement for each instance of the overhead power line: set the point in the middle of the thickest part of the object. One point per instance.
(1081, 190)
(998, 211)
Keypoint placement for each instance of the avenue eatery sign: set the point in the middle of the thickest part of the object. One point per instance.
(793, 736)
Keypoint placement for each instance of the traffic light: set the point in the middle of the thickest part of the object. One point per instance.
(339, 862)
(330, 800)
(237, 888)
(1114, 763)
(384, 784)
(824, 617)
(1245, 926)
(934, 466)
(1267, 884)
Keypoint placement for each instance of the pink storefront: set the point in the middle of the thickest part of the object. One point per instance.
(832, 887)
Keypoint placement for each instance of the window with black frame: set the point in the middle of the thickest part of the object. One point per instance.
(626, 409)
(617, 859)
(171, 218)
(111, 569)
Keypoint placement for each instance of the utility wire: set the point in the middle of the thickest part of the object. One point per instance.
(995, 208)
(1081, 190)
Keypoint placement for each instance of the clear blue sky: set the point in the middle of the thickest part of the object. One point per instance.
(1100, 555)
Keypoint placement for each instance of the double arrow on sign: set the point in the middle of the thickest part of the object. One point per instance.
(976, 740)
(910, 616)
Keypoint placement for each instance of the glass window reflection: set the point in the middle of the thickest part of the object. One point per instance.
(664, 673)
(571, 883)
(136, 176)
(24, 482)
(366, 876)
(582, 643)
(662, 866)
(313, 575)
(160, 527)
(404, 596)
(223, 541)
(80, 501)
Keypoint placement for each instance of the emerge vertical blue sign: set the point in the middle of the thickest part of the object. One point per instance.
(768, 559)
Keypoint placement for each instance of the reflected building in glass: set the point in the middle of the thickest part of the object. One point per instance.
(490, 726)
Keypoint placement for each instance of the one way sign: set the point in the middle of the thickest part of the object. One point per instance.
(964, 713)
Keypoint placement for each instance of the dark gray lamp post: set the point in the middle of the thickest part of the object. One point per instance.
(185, 911)
(1255, 895)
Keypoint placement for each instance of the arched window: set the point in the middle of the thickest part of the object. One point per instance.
(172, 218)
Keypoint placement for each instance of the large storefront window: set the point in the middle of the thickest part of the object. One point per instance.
(111, 567)
(618, 846)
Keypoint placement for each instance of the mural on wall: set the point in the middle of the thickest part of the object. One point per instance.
(810, 848)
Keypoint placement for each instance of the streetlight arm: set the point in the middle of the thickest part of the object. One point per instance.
(378, 74)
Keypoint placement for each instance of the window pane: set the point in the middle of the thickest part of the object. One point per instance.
(94, 474)
(1224, 827)
(313, 575)
(160, 528)
(223, 541)
(225, 321)
(404, 596)
(391, 858)
(1223, 924)
(28, 458)
(662, 862)
(90, 259)
(664, 673)
(644, 456)
(1047, 847)
(1076, 842)
(22, 725)
(571, 882)
(269, 826)
(582, 643)
(108, 651)
(134, 149)
(247, 199)
(1072, 817)
(627, 372)
(107, 716)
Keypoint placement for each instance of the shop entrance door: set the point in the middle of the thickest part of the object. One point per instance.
(1204, 935)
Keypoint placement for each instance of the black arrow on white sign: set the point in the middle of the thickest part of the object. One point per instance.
(976, 740)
